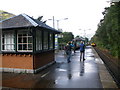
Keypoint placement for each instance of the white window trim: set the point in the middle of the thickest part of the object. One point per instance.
(4, 43)
(20, 32)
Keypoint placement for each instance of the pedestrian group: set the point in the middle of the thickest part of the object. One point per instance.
(72, 46)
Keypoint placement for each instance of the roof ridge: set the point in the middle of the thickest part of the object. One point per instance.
(30, 20)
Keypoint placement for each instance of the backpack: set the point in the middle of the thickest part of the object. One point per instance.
(82, 47)
(68, 48)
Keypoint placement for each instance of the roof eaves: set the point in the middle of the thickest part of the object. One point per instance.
(50, 28)
(30, 20)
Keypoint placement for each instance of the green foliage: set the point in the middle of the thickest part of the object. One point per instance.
(67, 36)
(5, 15)
(108, 33)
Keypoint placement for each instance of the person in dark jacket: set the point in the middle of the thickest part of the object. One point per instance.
(82, 51)
(68, 51)
(74, 46)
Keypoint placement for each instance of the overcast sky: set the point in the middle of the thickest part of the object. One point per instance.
(82, 14)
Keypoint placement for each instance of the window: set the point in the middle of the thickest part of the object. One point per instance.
(45, 43)
(8, 43)
(51, 41)
(24, 40)
(56, 41)
(0, 40)
(38, 40)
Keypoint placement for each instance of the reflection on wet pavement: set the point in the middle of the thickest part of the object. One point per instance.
(61, 75)
(81, 68)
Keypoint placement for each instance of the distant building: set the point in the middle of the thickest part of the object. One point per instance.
(27, 44)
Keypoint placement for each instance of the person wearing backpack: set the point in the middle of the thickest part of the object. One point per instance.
(68, 51)
(82, 51)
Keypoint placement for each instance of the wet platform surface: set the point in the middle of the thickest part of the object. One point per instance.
(78, 74)
(75, 74)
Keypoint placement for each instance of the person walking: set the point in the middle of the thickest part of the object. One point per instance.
(82, 51)
(74, 46)
(68, 51)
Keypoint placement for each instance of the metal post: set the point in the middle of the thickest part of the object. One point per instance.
(58, 24)
(53, 22)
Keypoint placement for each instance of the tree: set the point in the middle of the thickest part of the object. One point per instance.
(67, 36)
(108, 33)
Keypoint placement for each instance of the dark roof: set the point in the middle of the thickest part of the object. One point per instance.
(23, 20)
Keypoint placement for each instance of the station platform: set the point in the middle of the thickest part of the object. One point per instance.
(93, 72)
(90, 73)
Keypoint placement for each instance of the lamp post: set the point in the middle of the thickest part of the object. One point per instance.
(84, 32)
(84, 35)
(58, 20)
(56, 36)
(53, 21)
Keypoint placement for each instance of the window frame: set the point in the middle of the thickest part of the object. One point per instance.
(39, 44)
(28, 35)
(12, 40)
(45, 40)
(51, 41)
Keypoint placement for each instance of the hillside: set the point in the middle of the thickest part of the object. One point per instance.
(5, 15)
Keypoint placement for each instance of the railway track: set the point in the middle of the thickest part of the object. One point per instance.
(113, 65)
